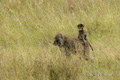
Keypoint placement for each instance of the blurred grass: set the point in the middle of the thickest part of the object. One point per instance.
(27, 30)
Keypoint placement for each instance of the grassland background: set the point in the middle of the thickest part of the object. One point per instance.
(27, 30)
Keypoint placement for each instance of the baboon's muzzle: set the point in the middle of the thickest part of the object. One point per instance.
(55, 43)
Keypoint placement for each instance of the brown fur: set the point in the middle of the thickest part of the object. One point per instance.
(70, 44)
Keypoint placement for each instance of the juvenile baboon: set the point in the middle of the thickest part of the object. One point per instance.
(83, 36)
(70, 44)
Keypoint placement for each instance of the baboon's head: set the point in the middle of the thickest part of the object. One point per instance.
(80, 26)
(59, 40)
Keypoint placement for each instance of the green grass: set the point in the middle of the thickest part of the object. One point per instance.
(27, 30)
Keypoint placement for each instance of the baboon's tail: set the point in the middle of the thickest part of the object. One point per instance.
(90, 46)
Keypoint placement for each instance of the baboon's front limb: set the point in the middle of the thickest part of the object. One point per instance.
(67, 51)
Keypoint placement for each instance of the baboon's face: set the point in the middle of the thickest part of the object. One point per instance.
(58, 40)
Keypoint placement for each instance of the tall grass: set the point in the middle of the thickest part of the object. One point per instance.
(27, 30)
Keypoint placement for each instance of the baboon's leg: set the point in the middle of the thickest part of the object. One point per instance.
(74, 50)
(87, 51)
(67, 51)
(84, 48)
(84, 45)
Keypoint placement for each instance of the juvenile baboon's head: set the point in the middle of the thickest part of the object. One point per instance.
(59, 40)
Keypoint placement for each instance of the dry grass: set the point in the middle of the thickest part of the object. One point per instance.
(27, 30)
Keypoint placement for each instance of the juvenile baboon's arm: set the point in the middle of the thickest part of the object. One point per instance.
(85, 35)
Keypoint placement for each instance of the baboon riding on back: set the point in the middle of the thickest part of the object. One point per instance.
(83, 36)
(71, 45)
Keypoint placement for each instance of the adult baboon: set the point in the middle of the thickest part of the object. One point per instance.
(70, 44)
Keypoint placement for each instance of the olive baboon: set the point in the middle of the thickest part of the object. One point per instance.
(71, 44)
